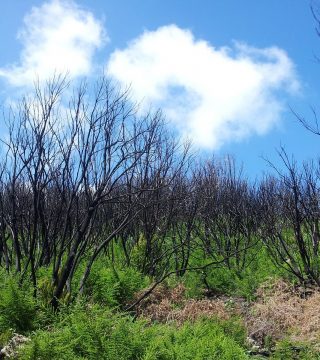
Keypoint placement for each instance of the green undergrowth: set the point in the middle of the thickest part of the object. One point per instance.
(95, 325)
(227, 281)
(94, 332)
(114, 287)
(286, 349)
(19, 311)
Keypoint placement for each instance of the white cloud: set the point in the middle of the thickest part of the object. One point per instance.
(57, 37)
(212, 95)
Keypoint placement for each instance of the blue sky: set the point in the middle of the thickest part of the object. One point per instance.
(225, 72)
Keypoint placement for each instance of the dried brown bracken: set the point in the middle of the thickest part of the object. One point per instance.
(282, 310)
(168, 305)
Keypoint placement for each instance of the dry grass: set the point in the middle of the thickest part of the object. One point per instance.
(168, 305)
(281, 310)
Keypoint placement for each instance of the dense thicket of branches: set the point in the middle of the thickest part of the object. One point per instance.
(77, 176)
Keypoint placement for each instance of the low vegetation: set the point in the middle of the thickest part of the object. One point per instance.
(277, 318)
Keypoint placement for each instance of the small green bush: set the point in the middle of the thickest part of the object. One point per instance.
(5, 336)
(203, 340)
(114, 287)
(287, 350)
(260, 269)
(18, 308)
